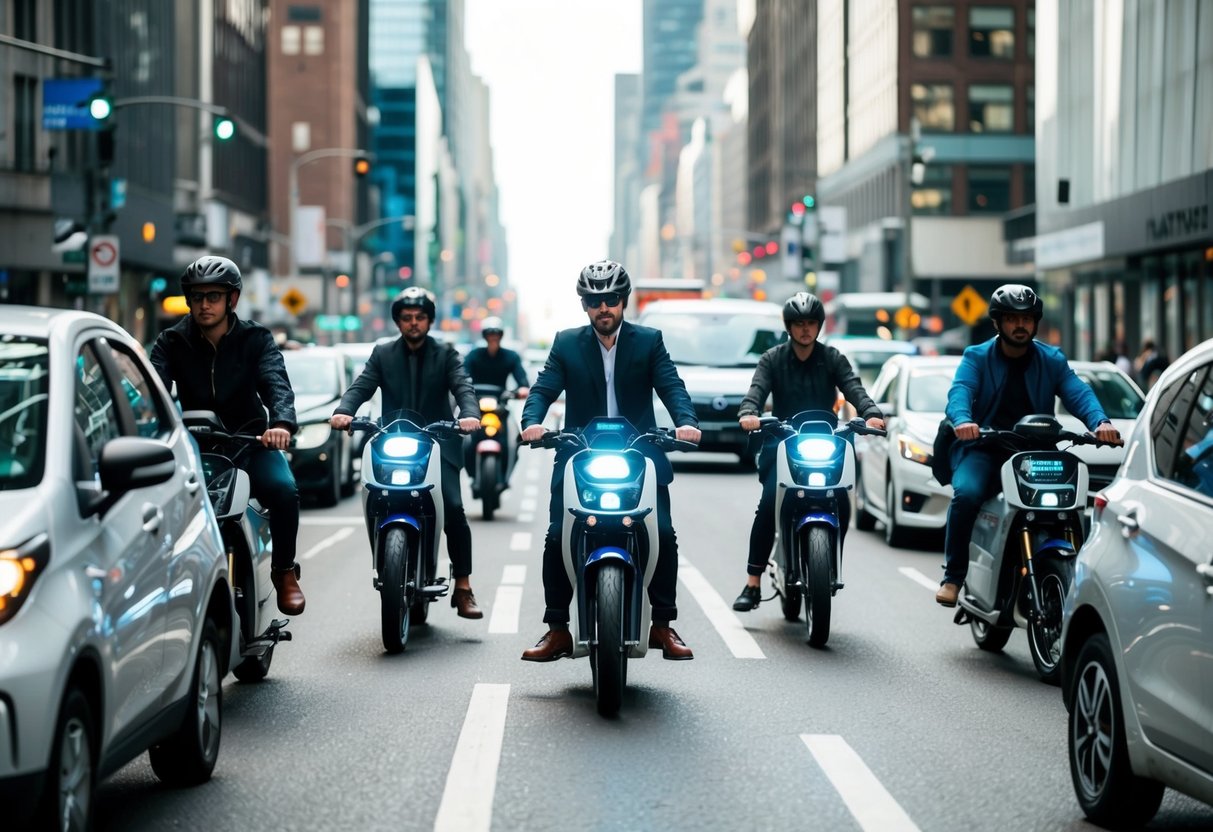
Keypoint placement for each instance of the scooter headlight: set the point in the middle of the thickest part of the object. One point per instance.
(490, 422)
(488, 403)
(610, 501)
(400, 447)
(815, 449)
(608, 467)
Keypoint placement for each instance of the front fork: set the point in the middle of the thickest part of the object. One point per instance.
(1028, 570)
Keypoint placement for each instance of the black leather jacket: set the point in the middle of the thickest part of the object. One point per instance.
(240, 380)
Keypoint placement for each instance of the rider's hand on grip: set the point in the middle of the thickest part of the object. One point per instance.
(532, 434)
(341, 421)
(967, 431)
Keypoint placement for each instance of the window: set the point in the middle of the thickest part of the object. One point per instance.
(991, 108)
(1031, 32)
(934, 195)
(992, 32)
(932, 31)
(933, 106)
(24, 392)
(303, 14)
(25, 94)
(96, 417)
(989, 190)
(25, 19)
(145, 402)
(313, 40)
(1193, 465)
(301, 136)
(1029, 94)
(290, 40)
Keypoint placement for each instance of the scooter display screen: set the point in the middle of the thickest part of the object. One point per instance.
(1050, 470)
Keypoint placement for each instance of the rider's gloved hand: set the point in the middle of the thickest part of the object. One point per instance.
(969, 430)
(688, 433)
(532, 434)
(341, 421)
(277, 438)
(749, 423)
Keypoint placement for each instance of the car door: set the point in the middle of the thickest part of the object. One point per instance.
(184, 546)
(1163, 607)
(123, 555)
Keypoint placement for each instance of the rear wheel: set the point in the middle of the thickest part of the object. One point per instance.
(188, 757)
(490, 497)
(865, 521)
(393, 591)
(1108, 791)
(818, 584)
(609, 656)
(987, 636)
(1053, 579)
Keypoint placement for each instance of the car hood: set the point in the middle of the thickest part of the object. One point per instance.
(716, 381)
(313, 407)
(922, 425)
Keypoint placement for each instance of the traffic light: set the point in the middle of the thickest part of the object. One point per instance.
(342, 281)
(810, 201)
(362, 166)
(101, 107)
(225, 128)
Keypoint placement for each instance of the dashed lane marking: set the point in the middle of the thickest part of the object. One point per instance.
(514, 573)
(333, 539)
(333, 520)
(873, 808)
(467, 800)
(520, 541)
(918, 578)
(530, 491)
(527, 504)
(526, 517)
(740, 643)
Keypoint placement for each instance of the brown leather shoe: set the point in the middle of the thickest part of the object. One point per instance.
(947, 595)
(555, 644)
(672, 646)
(290, 596)
(465, 602)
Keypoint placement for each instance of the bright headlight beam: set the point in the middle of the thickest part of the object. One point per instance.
(816, 449)
(610, 501)
(608, 467)
(400, 446)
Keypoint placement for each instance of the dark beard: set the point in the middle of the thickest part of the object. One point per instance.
(615, 324)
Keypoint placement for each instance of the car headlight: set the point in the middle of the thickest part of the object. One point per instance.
(608, 467)
(815, 449)
(913, 450)
(312, 436)
(19, 568)
(400, 447)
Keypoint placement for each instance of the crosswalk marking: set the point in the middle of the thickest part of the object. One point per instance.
(333, 539)
(520, 541)
(740, 643)
(918, 578)
(873, 808)
(467, 800)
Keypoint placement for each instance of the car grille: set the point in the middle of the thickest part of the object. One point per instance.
(706, 412)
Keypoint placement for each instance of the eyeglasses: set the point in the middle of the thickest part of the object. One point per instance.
(609, 298)
(209, 297)
(405, 318)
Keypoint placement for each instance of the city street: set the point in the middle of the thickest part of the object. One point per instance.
(901, 723)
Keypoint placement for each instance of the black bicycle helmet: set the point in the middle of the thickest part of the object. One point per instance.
(211, 270)
(804, 306)
(1015, 297)
(415, 297)
(602, 277)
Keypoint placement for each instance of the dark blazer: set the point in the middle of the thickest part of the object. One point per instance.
(442, 376)
(642, 367)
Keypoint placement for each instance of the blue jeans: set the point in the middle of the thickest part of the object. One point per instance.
(974, 481)
(273, 485)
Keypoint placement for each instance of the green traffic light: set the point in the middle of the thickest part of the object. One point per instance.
(809, 201)
(100, 108)
(225, 129)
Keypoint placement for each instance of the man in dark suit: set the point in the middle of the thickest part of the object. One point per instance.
(417, 372)
(609, 368)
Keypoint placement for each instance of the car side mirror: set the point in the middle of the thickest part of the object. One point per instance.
(887, 409)
(131, 462)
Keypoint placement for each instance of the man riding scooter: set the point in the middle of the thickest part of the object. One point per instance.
(490, 452)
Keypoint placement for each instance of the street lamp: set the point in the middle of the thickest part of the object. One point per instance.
(293, 188)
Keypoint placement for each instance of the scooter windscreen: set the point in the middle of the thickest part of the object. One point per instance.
(400, 451)
(609, 475)
(816, 456)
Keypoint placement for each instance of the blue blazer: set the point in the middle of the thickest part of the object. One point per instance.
(979, 380)
(642, 367)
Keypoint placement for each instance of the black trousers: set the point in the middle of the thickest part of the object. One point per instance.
(762, 533)
(455, 522)
(273, 485)
(557, 591)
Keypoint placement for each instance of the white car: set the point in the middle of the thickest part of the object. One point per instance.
(894, 484)
(1137, 637)
(115, 614)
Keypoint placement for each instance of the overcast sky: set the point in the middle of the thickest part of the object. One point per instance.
(550, 66)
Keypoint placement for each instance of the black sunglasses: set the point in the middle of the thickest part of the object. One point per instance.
(209, 297)
(609, 298)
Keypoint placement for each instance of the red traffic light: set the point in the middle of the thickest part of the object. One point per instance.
(405, 272)
(772, 247)
(343, 280)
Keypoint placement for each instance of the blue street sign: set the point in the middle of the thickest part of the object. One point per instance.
(65, 103)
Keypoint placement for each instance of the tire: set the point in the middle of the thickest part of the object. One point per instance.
(67, 797)
(490, 497)
(609, 656)
(1054, 577)
(254, 668)
(419, 613)
(790, 604)
(864, 520)
(331, 494)
(188, 757)
(894, 535)
(988, 637)
(819, 582)
(393, 589)
(1108, 791)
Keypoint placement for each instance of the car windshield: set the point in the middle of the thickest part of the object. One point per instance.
(1116, 395)
(312, 374)
(23, 408)
(927, 391)
(717, 339)
(868, 355)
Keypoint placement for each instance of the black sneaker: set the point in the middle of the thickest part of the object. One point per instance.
(748, 599)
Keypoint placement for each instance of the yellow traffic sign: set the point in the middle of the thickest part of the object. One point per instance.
(969, 306)
(907, 318)
(294, 301)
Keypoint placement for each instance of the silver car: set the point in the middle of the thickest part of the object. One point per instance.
(115, 614)
(1137, 655)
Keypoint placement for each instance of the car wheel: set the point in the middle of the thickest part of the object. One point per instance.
(1108, 791)
(68, 794)
(188, 757)
(865, 521)
(894, 535)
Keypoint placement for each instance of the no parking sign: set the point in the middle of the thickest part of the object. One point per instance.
(103, 265)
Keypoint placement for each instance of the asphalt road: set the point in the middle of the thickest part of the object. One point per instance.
(900, 723)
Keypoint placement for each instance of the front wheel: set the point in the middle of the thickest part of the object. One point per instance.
(188, 757)
(490, 496)
(68, 788)
(609, 656)
(393, 591)
(1054, 576)
(1108, 791)
(819, 584)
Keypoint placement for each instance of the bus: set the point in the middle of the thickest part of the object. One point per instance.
(870, 313)
(644, 291)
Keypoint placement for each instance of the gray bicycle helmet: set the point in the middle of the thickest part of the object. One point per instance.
(211, 270)
(1015, 297)
(491, 326)
(602, 277)
(415, 297)
(804, 306)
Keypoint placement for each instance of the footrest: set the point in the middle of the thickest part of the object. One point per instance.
(435, 590)
(962, 616)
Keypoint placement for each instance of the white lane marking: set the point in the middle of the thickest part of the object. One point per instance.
(520, 541)
(530, 491)
(532, 473)
(527, 504)
(507, 606)
(740, 643)
(338, 520)
(871, 805)
(335, 537)
(526, 517)
(514, 573)
(918, 578)
(467, 800)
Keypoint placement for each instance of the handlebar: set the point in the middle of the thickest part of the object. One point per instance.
(773, 424)
(662, 438)
(1010, 437)
(435, 429)
(207, 432)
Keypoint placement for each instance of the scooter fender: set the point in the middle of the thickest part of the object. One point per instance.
(488, 446)
(816, 519)
(411, 526)
(1056, 548)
